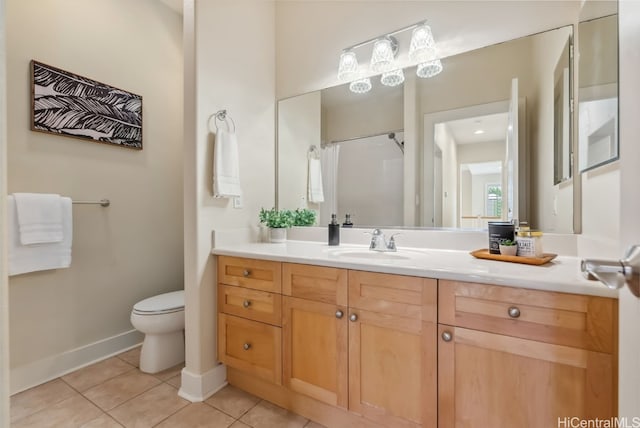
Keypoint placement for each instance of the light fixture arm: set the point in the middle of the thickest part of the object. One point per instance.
(391, 34)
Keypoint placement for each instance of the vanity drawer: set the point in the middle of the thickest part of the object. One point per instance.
(257, 274)
(252, 304)
(408, 296)
(322, 284)
(250, 346)
(580, 321)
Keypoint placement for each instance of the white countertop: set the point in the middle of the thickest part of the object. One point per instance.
(562, 274)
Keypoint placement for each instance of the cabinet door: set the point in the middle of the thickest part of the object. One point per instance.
(492, 380)
(392, 369)
(315, 349)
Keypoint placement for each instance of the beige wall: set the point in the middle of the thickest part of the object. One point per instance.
(324, 28)
(4, 292)
(133, 249)
(233, 68)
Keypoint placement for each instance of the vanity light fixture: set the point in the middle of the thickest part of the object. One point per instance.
(422, 51)
(384, 54)
(429, 69)
(422, 48)
(360, 86)
(348, 66)
(392, 78)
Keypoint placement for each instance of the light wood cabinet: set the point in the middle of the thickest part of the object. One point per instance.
(250, 315)
(363, 349)
(381, 362)
(513, 357)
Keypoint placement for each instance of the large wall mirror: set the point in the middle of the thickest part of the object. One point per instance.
(482, 140)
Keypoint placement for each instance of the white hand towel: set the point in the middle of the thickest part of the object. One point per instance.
(39, 218)
(316, 194)
(35, 257)
(226, 168)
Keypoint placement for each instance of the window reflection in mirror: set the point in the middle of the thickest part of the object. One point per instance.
(598, 91)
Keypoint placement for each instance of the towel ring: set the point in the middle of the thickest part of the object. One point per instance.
(221, 115)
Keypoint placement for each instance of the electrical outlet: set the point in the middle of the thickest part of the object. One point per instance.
(237, 202)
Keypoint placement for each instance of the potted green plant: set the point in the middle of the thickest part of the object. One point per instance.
(304, 217)
(277, 221)
(508, 247)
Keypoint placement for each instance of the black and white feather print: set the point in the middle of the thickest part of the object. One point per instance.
(72, 105)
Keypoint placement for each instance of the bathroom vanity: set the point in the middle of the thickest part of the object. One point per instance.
(434, 338)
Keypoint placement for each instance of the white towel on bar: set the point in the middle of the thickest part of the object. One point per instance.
(226, 166)
(35, 257)
(39, 218)
(316, 194)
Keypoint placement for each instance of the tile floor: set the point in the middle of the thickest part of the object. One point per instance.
(115, 393)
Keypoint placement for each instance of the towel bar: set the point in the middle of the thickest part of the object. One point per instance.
(101, 202)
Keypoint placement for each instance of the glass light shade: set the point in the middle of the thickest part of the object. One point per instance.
(429, 69)
(382, 55)
(348, 66)
(360, 86)
(422, 47)
(392, 78)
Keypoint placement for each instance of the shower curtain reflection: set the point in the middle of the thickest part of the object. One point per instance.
(370, 173)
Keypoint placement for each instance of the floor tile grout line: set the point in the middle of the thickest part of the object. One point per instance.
(181, 408)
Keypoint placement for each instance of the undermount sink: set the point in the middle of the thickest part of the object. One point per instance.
(369, 255)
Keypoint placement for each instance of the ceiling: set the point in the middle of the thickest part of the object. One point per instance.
(493, 125)
(482, 168)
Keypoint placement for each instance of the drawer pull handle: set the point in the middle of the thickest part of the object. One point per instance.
(246, 303)
(353, 317)
(246, 273)
(446, 336)
(339, 314)
(514, 312)
(246, 346)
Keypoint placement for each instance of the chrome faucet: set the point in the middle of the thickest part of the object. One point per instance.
(378, 243)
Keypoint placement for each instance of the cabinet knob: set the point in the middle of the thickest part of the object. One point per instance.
(339, 314)
(446, 336)
(353, 317)
(246, 303)
(246, 273)
(246, 346)
(514, 312)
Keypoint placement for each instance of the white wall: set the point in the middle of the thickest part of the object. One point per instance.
(299, 127)
(131, 250)
(230, 54)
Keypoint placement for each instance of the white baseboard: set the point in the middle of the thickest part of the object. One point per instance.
(196, 388)
(41, 371)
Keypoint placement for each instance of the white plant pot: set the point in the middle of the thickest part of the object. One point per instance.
(508, 250)
(277, 235)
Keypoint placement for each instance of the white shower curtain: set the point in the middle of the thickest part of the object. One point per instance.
(329, 159)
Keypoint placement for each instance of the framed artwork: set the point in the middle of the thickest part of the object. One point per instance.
(67, 104)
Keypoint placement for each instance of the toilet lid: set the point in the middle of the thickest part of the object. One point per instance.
(161, 303)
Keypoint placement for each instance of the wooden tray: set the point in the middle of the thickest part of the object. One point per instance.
(485, 254)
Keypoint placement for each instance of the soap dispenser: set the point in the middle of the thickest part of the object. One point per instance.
(347, 221)
(334, 231)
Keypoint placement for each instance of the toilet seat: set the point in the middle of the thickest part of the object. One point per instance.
(162, 304)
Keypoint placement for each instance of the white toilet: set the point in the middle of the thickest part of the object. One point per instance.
(161, 319)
